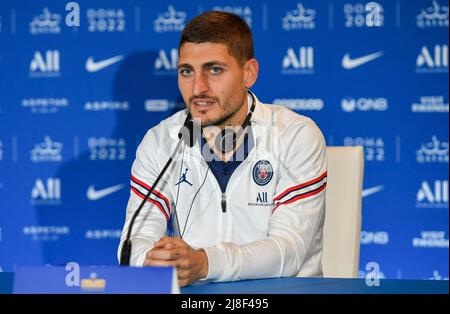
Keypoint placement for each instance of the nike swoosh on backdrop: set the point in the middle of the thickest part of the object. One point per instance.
(372, 190)
(348, 63)
(95, 195)
(93, 66)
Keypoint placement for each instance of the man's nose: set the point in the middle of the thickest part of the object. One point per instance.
(200, 84)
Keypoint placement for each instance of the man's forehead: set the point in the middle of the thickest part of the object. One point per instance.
(204, 53)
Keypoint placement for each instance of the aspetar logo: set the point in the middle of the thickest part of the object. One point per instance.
(46, 192)
(435, 15)
(435, 151)
(47, 151)
(364, 104)
(170, 21)
(167, 62)
(432, 60)
(298, 62)
(433, 194)
(45, 64)
(45, 105)
(45, 23)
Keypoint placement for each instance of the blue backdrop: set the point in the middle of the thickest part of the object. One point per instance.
(81, 82)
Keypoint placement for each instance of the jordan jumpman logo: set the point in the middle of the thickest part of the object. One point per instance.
(183, 178)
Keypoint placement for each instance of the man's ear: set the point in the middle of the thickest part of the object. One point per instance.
(251, 68)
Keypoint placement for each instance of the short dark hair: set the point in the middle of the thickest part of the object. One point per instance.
(221, 27)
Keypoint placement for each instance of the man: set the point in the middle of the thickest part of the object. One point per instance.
(255, 210)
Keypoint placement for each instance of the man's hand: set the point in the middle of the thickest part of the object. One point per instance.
(191, 264)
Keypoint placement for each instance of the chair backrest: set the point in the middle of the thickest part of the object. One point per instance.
(342, 229)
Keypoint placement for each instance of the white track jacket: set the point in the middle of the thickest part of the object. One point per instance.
(269, 221)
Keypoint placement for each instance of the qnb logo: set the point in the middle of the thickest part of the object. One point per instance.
(435, 15)
(299, 18)
(245, 12)
(103, 148)
(364, 104)
(373, 147)
(431, 239)
(430, 104)
(310, 104)
(46, 192)
(47, 151)
(377, 237)
(298, 63)
(434, 195)
(433, 60)
(170, 21)
(46, 23)
(167, 62)
(106, 20)
(45, 65)
(433, 152)
(364, 15)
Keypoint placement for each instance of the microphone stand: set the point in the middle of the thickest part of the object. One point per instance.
(125, 253)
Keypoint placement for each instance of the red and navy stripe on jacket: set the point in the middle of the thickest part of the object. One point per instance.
(141, 189)
(301, 191)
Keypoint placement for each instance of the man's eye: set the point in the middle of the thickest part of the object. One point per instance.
(216, 70)
(185, 72)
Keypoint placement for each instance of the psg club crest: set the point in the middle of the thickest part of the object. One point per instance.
(262, 172)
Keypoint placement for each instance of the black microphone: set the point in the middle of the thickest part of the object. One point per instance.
(186, 134)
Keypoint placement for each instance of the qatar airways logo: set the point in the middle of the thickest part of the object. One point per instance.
(170, 21)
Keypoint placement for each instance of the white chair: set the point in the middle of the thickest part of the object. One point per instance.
(342, 229)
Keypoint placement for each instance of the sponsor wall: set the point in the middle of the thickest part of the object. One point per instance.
(81, 82)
